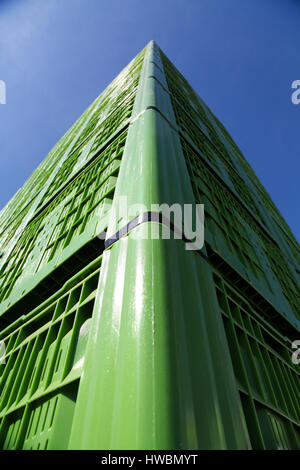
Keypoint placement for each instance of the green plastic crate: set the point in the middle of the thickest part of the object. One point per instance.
(116, 340)
(44, 362)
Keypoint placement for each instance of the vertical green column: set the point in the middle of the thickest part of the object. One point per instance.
(157, 372)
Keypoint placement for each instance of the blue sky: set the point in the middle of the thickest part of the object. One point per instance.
(241, 56)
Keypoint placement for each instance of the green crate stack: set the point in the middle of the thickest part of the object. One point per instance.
(115, 339)
(44, 358)
(49, 235)
(258, 270)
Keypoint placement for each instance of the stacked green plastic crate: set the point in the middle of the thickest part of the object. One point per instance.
(116, 340)
(50, 263)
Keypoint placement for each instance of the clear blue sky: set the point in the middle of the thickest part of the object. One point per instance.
(241, 56)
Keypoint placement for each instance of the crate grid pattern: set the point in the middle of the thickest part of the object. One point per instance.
(44, 354)
(194, 123)
(45, 347)
(267, 379)
(101, 134)
(228, 220)
(46, 342)
(219, 217)
(187, 123)
(74, 163)
(182, 95)
(107, 103)
(60, 224)
(287, 280)
(263, 197)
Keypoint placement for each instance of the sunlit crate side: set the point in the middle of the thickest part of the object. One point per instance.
(193, 120)
(69, 222)
(45, 349)
(44, 245)
(181, 91)
(38, 179)
(107, 101)
(41, 425)
(204, 137)
(24, 198)
(32, 188)
(285, 231)
(234, 146)
(268, 380)
(220, 162)
(206, 190)
(44, 353)
(266, 202)
(288, 282)
(233, 233)
(294, 246)
(121, 95)
(263, 197)
(9, 232)
(187, 97)
(98, 139)
(188, 94)
(117, 92)
(235, 149)
(122, 78)
(191, 104)
(241, 190)
(173, 73)
(269, 204)
(197, 166)
(280, 225)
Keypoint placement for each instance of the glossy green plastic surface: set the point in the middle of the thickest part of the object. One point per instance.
(142, 344)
